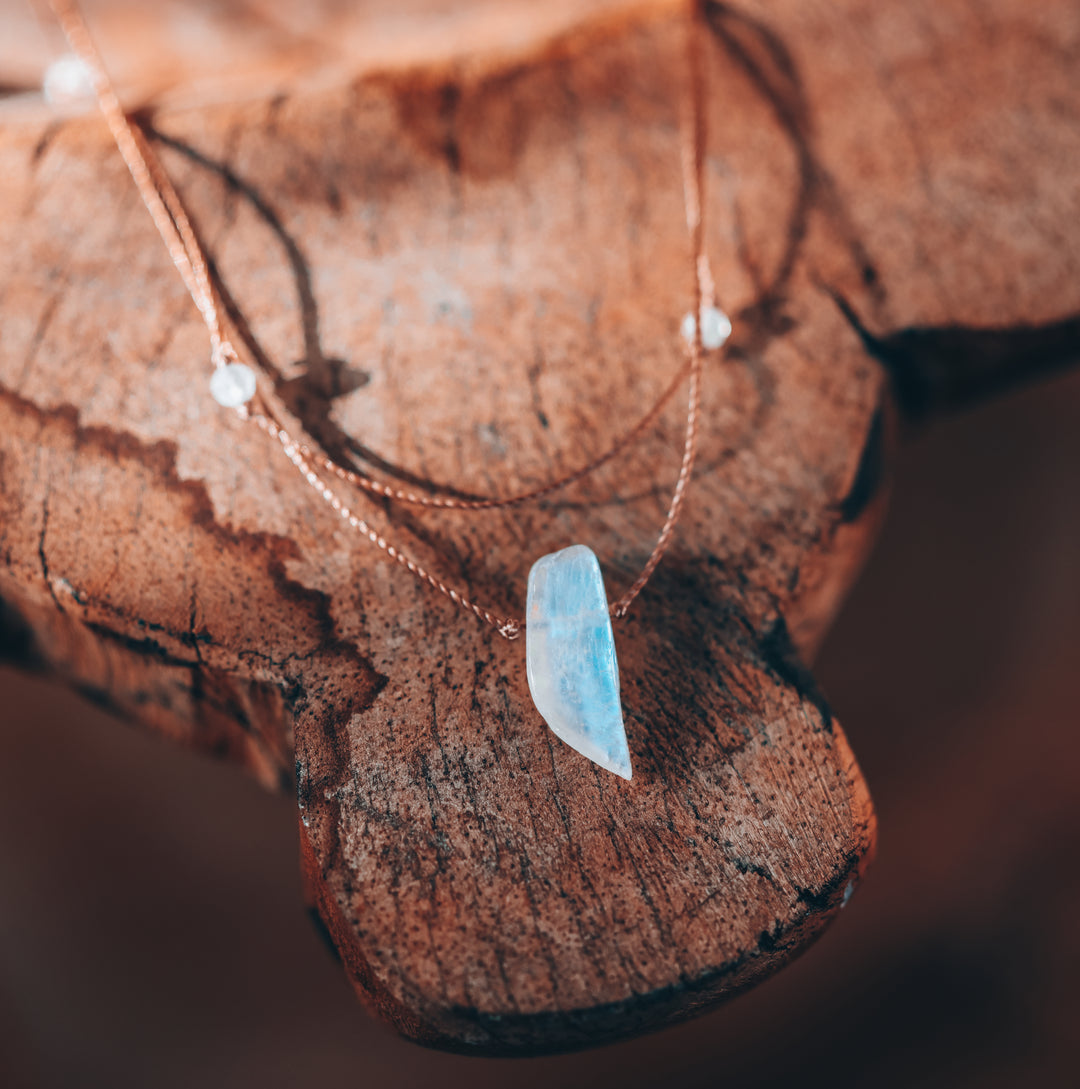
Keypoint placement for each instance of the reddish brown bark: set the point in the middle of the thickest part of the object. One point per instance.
(474, 273)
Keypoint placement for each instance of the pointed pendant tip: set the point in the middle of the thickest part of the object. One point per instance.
(617, 762)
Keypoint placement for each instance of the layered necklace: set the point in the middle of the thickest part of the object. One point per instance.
(571, 665)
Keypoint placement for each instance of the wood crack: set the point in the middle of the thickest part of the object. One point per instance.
(944, 368)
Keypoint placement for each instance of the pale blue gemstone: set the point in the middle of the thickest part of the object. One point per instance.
(570, 656)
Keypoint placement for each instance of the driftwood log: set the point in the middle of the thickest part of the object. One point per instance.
(460, 253)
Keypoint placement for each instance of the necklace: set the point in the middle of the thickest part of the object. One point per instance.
(571, 663)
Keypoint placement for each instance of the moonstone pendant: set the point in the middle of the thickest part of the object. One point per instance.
(570, 657)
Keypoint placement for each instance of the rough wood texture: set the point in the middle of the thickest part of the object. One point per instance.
(474, 272)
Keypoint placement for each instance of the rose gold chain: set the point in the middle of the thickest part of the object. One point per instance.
(449, 502)
(157, 192)
(172, 222)
(294, 451)
(693, 162)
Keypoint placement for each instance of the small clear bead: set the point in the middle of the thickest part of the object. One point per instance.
(232, 385)
(67, 79)
(715, 327)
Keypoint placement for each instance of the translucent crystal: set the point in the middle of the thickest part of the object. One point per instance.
(570, 657)
(232, 385)
(715, 327)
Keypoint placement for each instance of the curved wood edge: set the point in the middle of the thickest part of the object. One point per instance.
(477, 1032)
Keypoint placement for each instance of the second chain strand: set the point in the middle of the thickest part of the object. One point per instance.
(173, 224)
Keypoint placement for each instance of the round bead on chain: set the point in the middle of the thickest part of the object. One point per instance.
(715, 327)
(68, 79)
(232, 385)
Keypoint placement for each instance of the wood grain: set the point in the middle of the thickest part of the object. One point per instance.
(472, 270)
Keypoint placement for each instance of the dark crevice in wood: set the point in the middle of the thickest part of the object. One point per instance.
(745, 865)
(17, 644)
(939, 369)
(144, 646)
(782, 659)
(45, 141)
(870, 473)
(323, 931)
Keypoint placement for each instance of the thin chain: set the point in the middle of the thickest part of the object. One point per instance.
(447, 502)
(170, 217)
(693, 159)
(505, 625)
(155, 188)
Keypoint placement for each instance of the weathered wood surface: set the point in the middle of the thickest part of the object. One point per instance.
(473, 272)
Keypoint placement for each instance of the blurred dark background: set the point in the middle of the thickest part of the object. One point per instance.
(151, 925)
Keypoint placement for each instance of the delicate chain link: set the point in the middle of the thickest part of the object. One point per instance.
(295, 451)
(693, 160)
(155, 188)
(448, 502)
(171, 219)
